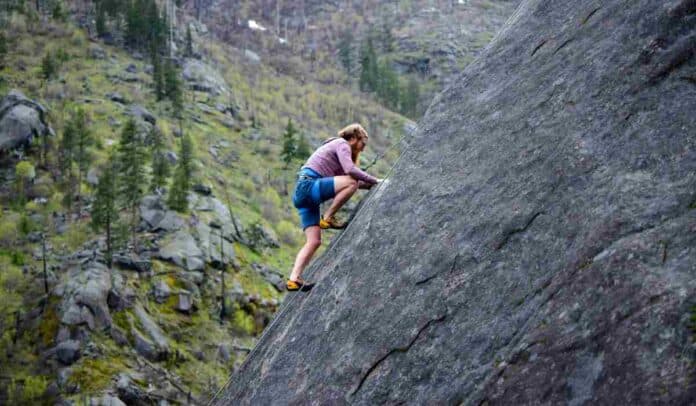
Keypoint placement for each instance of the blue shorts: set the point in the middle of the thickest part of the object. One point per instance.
(310, 191)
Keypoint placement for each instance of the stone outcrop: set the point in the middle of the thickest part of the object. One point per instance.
(84, 291)
(21, 120)
(535, 244)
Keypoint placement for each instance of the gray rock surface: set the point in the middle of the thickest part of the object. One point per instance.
(181, 249)
(21, 120)
(536, 244)
(154, 212)
(202, 77)
(68, 352)
(85, 290)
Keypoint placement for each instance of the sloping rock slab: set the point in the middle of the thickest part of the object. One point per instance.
(536, 244)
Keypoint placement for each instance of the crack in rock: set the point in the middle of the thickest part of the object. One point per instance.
(510, 233)
(395, 350)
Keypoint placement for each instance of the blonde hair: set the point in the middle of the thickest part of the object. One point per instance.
(348, 133)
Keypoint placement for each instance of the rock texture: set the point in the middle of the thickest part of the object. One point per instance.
(21, 120)
(535, 244)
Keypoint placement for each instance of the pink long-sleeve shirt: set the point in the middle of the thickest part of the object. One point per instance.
(334, 159)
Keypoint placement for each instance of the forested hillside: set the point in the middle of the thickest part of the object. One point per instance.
(170, 167)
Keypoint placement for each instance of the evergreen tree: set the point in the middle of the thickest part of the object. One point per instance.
(67, 145)
(57, 12)
(172, 86)
(388, 86)
(82, 141)
(409, 98)
(24, 172)
(289, 144)
(104, 209)
(189, 41)
(303, 150)
(101, 20)
(345, 51)
(181, 182)
(157, 75)
(49, 67)
(368, 67)
(3, 49)
(160, 164)
(132, 179)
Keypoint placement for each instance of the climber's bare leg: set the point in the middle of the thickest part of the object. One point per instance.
(345, 187)
(313, 235)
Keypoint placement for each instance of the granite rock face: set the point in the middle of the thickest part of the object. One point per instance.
(535, 244)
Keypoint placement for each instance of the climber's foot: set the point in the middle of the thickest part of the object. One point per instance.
(331, 222)
(293, 286)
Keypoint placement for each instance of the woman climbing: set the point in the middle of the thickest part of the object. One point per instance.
(331, 172)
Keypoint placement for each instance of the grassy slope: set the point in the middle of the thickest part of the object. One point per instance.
(255, 181)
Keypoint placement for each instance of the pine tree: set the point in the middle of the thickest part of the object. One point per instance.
(132, 179)
(409, 98)
(49, 66)
(289, 144)
(3, 49)
(388, 86)
(160, 164)
(172, 86)
(368, 67)
(181, 182)
(345, 51)
(82, 141)
(104, 209)
(101, 20)
(303, 150)
(157, 74)
(189, 41)
(24, 172)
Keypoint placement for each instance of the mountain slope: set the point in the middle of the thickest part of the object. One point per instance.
(535, 244)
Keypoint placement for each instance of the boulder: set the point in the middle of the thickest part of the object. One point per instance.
(202, 77)
(117, 97)
(153, 331)
(68, 352)
(208, 240)
(97, 52)
(161, 291)
(142, 113)
(132, 263)
(156, 215)
(21, 120)
(272, 276)
(535, 245)
(106, 400)
(252, 56)
(181, 249)
(185, 303)
(84, 290)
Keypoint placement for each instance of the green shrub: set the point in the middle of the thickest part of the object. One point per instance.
(287, 232)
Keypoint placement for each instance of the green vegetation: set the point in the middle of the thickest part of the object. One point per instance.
(104, 210)
(181, 182)
(255, 194)
(131, 180)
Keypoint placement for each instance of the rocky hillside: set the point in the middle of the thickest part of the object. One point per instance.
(536, 242)
(152, 329)
(429, 41)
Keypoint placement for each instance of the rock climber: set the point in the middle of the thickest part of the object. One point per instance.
(330, 172)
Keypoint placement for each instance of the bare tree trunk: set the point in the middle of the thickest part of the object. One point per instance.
(45, 268)
(223, 310)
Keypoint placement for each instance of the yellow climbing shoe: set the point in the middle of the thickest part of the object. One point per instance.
(293, 286)
(331, 222)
